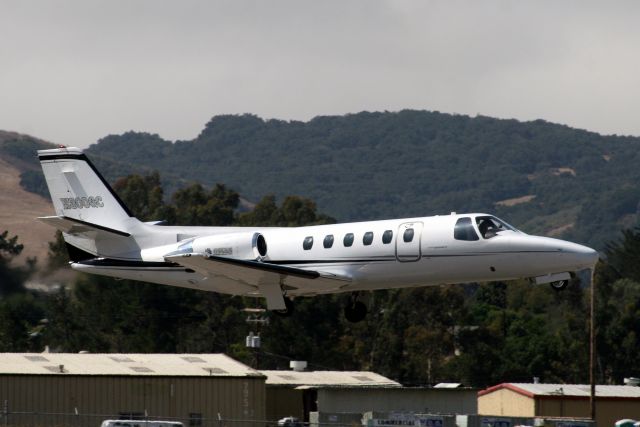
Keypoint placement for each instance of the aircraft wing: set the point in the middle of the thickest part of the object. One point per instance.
(269, 279)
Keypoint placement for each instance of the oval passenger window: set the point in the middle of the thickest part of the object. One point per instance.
(328, 241)
(308, 243)
(408, 235)
(367, 239)
(348, 239)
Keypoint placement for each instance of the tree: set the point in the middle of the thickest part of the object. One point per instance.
(57, 254)
(11, 278)
(194, 205)
(294, 211)
(143, 195)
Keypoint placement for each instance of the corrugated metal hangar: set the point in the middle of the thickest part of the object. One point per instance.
(613, 402)
(295, 393)
(193, 388)
(298, 394)
(200, 390)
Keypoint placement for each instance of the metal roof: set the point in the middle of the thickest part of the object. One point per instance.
(191, 365)
(568, 390)
(314, 379)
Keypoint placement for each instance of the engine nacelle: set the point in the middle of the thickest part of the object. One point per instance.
(233, 245)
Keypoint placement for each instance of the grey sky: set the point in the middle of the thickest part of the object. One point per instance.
(74, 71)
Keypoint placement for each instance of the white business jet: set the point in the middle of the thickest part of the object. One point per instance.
(103, 237)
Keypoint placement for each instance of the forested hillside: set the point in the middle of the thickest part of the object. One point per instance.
(542, 177)
(479, 334)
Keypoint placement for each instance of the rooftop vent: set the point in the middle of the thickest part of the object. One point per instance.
(298, 365)
(57, 369)
(632, 381)
(215, 371)
(193, 359)
(121, 359)
(36, 358)
(140, 369)
(287, 377)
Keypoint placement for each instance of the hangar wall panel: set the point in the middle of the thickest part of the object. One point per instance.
(506, 402)
(334, 400)
(239, 398)
(284, 402)
(608, 411)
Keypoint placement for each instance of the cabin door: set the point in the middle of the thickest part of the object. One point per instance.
(408, 241)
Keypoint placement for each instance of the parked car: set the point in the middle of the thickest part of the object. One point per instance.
(140, 423)
(290, 422)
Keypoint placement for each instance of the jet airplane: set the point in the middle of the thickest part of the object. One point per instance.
(277, 263)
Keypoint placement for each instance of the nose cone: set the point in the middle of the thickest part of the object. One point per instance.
(554, 255)
(582, 256)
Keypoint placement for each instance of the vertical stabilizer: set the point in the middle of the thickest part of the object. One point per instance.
(80, 193)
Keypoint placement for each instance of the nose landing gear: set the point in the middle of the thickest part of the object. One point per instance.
(559, 285)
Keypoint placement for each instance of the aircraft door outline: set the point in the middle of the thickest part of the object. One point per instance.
(409, 242)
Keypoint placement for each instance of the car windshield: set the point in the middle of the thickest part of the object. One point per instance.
(490, 226)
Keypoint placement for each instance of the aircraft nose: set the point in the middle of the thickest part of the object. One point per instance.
(584, 256)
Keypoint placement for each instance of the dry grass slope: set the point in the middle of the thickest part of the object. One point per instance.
(18, 210)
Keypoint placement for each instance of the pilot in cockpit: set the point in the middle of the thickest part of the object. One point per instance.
(487, 228)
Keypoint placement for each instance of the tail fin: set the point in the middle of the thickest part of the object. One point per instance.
(89, 213)
(79, 193)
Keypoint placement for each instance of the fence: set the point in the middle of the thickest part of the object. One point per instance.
(76, 419)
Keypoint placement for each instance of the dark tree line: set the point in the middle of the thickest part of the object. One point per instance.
(478, 334)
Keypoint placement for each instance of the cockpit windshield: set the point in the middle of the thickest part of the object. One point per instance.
(490, 226)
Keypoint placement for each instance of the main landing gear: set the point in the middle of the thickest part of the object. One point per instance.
(355, 311)
(288, 311)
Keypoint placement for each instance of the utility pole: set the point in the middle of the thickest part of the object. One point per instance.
(255, 316)
(592, 346)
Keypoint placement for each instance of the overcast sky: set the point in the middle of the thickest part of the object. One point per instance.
(72, 72)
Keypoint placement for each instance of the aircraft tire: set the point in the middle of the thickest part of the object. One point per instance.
(559, 285)
(287, 312)
(355, 312)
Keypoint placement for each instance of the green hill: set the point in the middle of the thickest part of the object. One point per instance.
(542, 177)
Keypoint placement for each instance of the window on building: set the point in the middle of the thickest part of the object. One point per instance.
(408, 235)
(308, 243)
(387, 236)
(328, 241)
(464, 230)
(348, 239)
(367, 239)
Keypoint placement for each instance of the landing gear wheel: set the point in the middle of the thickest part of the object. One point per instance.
(287, 311)
(355, 312)
(559, 285)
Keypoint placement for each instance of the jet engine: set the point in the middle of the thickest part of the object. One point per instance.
(242, 245)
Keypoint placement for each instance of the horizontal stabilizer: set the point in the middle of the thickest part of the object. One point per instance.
(78, 227)
(268, 278)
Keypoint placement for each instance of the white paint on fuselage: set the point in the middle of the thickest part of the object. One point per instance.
(439, 258)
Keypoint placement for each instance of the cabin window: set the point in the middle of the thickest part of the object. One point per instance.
(387, 236)
(367, 239)
(308, 243)
(348, 239)
(408, 235)
(328, 241)
(464, 230)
